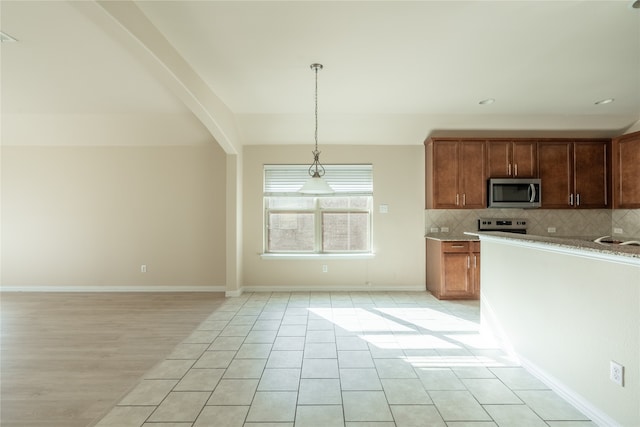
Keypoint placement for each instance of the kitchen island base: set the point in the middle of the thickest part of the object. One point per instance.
(566, 313)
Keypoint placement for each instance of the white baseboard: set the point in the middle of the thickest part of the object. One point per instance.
(491, 325)
(112, 289)
(418, 288)
(579, 402)
(232, 294)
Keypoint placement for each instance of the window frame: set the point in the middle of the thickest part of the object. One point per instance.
(319, 212)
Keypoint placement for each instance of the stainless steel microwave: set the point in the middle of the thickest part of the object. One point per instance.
(514, 193)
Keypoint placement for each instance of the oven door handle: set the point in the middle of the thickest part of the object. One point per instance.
(532, 193)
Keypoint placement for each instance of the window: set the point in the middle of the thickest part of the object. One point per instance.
(338, 223)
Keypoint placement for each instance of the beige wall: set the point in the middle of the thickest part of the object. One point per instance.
(568, 315)
(91, 216)
(398, 179)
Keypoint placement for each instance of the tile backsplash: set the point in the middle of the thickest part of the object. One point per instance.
(628, 220)
(567, 222)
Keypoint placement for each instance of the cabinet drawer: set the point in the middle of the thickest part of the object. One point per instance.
(455, 246)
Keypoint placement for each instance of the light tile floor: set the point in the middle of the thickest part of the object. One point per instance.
(341, 359)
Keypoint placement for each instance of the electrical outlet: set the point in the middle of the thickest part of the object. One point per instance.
(616, 373)
(325, 268)
(617, 231)
(444, 229)
(551, 230)
(434, 229)
(384, 209)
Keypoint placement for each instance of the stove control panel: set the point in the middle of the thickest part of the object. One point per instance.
(502, 224)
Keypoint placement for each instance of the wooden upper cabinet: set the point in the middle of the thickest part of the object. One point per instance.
(455, 175)
(525, 159)
(444, 177)
(512, 159)
(590, 170)
(574, 174)
(626, 171)
(473, 186)
(554, 168)
(498, 159)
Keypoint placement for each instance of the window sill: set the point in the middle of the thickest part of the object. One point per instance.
(318, 256)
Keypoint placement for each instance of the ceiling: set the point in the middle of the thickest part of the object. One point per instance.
(394, 71)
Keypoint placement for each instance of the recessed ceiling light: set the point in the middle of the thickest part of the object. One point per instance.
(605, 101)
(489, 101)
(4, 37)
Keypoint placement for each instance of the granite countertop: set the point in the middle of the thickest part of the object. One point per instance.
(583, 243)
(448, 237)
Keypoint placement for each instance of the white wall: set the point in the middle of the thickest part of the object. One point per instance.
(82, 217)
(398, 237)
(568, 316)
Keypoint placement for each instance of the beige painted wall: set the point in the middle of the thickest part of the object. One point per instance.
(568, 316)
(399, 263)
(90, 216)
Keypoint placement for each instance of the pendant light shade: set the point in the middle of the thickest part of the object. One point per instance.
(316, 184)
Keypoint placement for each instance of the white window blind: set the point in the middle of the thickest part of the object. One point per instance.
(287, 179)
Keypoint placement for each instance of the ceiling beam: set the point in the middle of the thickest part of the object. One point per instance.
(124, 21)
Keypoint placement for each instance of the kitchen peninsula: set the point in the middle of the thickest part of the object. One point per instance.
(567, 308)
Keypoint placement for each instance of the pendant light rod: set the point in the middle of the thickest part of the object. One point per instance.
(316, 166)
(316, 68)
(315, 184)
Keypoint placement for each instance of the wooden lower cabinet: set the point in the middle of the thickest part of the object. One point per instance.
(453, 269)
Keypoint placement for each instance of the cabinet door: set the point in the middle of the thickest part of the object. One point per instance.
(512, 159)
(475, 273)
(445, 174)
(627, 172)
(590, 174)
(499, 159)
(554, 167)
(524, 159)
(456, 279)
(472, 189)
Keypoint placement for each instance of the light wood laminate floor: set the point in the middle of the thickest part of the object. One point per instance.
(66, 358)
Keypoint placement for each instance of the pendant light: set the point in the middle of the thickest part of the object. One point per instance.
(316, 184)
